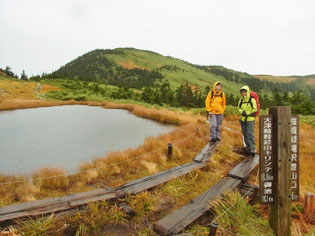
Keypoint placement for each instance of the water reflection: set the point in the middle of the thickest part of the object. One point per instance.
(67, 135)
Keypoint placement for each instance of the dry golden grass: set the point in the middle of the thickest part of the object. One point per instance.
(25, 192)
(150, 166)
(307, 159)
(44, 182)
(23, 90)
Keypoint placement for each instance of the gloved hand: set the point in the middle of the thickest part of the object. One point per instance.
(244, 113)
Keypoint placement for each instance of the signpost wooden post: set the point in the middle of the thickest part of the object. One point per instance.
(279, 165)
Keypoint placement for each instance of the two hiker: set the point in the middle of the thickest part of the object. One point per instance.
(247, 107)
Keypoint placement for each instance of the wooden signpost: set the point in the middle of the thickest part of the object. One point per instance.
(279, 165)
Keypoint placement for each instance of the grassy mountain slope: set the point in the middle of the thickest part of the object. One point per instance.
(136, 68)
(105, 65)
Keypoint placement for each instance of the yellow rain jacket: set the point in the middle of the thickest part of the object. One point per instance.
(215, 101)
(247, 107)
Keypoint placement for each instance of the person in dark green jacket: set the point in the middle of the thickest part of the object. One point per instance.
(247, 107)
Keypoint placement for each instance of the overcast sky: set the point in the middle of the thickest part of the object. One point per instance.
(257, 36)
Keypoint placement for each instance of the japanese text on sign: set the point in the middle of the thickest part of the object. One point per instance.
(295, 158)
(266, 171)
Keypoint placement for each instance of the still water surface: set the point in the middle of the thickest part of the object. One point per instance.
(64, 136)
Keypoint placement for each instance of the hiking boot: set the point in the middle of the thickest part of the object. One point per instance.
(252, 152)
(213, 140)
(245, 149)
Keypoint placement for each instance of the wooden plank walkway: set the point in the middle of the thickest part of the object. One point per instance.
(58, 204)
(151, 181)
(203, 156)
(242, 170)
(178, 220)
(50, 205)
(181, 218)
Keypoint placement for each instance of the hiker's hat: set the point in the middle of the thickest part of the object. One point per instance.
(243, 90)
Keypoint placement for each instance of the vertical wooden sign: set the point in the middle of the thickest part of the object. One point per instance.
(279, 165)
(280, 209)
(295, 158)
(266, 159)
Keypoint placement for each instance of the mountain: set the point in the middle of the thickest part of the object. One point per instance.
(134, 68)
(138, 68)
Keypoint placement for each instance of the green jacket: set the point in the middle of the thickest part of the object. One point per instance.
(247, 107)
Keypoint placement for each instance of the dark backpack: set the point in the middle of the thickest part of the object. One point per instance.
(253, 95)
(216, 95)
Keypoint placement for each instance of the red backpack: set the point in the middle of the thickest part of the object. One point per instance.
(253, 95)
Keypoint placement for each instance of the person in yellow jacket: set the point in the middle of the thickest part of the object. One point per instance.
(215, 105)
(247, 107)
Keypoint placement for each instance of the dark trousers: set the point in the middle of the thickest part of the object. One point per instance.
(216, 121)
(248, 134)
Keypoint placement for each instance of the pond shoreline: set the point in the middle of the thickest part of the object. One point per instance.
(24, 104)
(101, 171)
(162, 116)
(65, 136)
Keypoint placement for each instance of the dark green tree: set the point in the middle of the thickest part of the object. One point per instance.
(24, 76)
(301, 104)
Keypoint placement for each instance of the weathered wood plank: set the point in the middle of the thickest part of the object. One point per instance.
(151, 181)
(178, 220)
(243, 169)
(80, 202)
(66, 203)
(205, 152)
(40, 211)
(27, 206)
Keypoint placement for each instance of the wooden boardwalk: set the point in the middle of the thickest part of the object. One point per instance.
(71, 201)
(181, 218)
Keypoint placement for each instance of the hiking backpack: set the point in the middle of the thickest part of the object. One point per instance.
(253, 95)
(221, 94)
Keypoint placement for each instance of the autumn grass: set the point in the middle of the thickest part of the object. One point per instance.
(238, 217)
(22, 90)
(150, 206)
(36, 227)
(123, 166)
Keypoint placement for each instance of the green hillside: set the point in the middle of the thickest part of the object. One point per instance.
(264, 82)
(146, 76)
(128, 66)
(134, 68)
